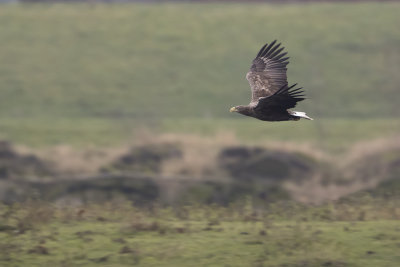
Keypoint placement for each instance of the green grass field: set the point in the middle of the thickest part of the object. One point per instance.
(333, 135)
(117, 234)
(95, 74)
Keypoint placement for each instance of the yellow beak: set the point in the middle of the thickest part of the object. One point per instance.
(233, 109)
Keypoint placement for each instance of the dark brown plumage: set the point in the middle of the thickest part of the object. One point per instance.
(271, 97)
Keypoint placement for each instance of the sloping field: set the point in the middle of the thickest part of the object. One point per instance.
(95, 74)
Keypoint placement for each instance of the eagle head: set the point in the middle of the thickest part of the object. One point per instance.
(233, 109)
(245, 110)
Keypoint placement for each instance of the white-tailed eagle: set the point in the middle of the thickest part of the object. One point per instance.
(271, 97)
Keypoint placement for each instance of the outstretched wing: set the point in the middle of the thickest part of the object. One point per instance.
(268, 71)
(285, 98)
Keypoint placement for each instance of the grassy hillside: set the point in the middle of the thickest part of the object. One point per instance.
(103, 71)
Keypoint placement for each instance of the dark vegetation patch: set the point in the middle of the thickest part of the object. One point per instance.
(143, 226)
(144, 159)
(85, 235)
(224, 193)
(15, 165)
(259, 163)
(39, 250)
(255, 172)
(100, 259)
(126, 249)
(138, 189)
(385, 190)
(384, 165)
(316, 263)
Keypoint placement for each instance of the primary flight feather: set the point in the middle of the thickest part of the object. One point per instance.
(271, 97)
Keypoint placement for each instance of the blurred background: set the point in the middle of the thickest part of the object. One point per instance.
(129, 101)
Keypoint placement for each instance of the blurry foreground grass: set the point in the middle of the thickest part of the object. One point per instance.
(118, 234)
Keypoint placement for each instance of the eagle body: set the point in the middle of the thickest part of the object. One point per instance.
(266, 115)
(271, 97)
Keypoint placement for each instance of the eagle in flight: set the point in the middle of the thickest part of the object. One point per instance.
(271, 97)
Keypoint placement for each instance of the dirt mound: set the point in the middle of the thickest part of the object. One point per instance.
(381, 171)
(384, 165)
(388, 190)
(224, 174)
(145, 159)
(15, 165)
(259, 163)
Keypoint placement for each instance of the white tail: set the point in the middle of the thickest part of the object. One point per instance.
(300, 114)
